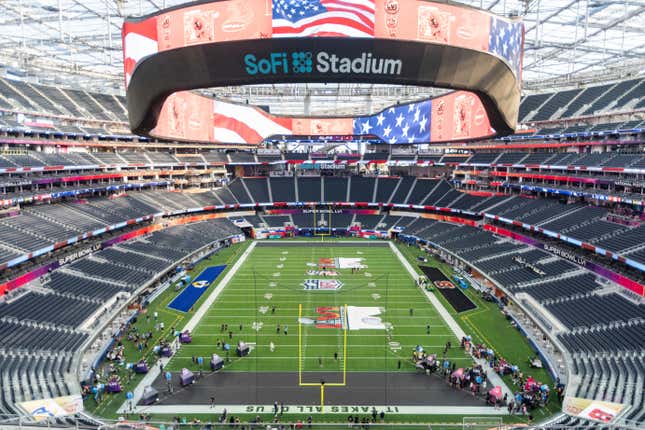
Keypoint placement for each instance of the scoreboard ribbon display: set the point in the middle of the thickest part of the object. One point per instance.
(398, 42)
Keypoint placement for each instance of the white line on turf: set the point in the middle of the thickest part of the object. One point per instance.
(192, 323)
(495, 379)
(328, 409)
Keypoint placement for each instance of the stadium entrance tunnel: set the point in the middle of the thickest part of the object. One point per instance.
(162, 68)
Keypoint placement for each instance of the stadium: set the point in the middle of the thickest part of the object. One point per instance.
(285, 214)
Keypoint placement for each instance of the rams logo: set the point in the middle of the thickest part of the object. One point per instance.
(200, 284)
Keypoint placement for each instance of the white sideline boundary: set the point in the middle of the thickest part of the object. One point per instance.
(190, 325)
(327, 409)
(493, 377)
(205, 409)
(452, 324)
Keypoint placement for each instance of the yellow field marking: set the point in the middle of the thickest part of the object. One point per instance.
(322, 397)
(345, 348)
(299, 344)
(472, 314)
(320, 384)
(479, 333)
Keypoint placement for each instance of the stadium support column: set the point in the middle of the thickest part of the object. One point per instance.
(307, 103)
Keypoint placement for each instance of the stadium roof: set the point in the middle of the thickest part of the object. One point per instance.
(78, 42)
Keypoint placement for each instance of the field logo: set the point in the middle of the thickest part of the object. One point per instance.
(330, 317)
(342, 263)
(201, 284)
(322, 284)
(444, 285)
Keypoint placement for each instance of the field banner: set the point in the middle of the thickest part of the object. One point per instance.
(364, 318)
(56, 407)
(189, 296)
(595, 410)
(350, 263)
(341, 263)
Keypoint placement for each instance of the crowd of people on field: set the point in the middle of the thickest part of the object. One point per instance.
(528, 392)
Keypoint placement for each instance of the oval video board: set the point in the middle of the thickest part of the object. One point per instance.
(400, 42)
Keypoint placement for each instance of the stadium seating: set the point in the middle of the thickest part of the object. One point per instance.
(607, 336)
(130, 158)
(576, 102)
(569, 294)
(40, 329)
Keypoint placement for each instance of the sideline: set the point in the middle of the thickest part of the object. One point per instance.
(190, 325)
(493, 377)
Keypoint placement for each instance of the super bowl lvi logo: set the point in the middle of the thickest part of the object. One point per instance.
(391, 17)
(240, 15)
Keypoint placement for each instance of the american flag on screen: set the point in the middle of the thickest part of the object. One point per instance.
(331, 18)
(506, 41)
(233, 123)
(139, 41)
(398, 124)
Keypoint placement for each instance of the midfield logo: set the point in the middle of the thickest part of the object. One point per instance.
(322, 284)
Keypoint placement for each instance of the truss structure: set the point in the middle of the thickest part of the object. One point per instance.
(77, 43)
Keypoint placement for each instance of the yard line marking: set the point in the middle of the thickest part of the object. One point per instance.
(299, 344)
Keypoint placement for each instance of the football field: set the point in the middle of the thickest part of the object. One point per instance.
(306, 308)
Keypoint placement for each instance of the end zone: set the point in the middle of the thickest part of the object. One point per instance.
(191, 294)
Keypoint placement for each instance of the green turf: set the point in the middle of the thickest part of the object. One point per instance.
(486, 324)
(368, 350)
(171, 318)
(384, 284)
